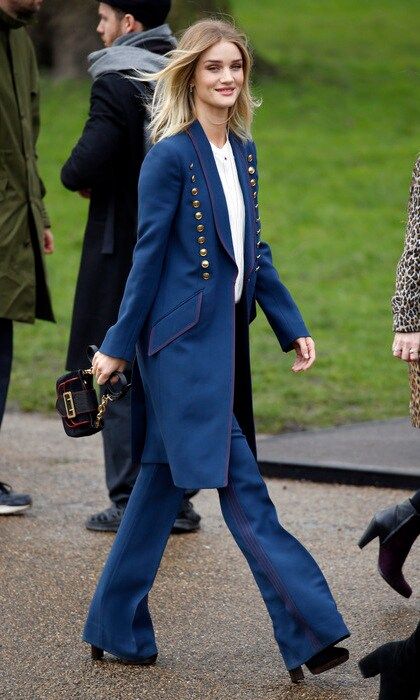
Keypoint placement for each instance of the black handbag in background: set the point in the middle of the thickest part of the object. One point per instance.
(77, 402)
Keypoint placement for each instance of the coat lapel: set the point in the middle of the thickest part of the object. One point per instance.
(214, 185)
(242, 168)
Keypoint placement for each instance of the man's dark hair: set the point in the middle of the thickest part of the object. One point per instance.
(120, 14)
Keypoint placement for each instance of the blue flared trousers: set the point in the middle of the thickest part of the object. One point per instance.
(304, 615)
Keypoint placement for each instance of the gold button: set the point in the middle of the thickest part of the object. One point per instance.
(191, 166)
(256, 205)
(194, 191)
(201, 240)
(206, 275)
(255, 194)
(253, 182)
(200, 228)
(251, 170)
(259, 230)
(196, 203)
(259, 244)
(192, 178)
(203, 252)
(205, 264)
(257, 219)
(250, 158)
(198, 215)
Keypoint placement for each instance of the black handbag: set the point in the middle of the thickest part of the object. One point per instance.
(77, 402)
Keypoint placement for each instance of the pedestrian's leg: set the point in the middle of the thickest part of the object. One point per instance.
(302, 609)
(10, 502)
(397, 528)
(6, 352)
(120, 472)
(119, 619)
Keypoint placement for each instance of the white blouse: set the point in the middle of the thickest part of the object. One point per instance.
(226, 166)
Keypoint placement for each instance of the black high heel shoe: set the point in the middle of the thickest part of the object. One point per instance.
(323, 661)
(97, 654)
(398, 664)
(397, 528)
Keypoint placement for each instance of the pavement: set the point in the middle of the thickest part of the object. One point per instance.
(381, 453)
(214, 635)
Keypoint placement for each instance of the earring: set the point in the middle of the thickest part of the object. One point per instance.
(191, 88)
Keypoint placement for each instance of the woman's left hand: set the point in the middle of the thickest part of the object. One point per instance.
(305, 354)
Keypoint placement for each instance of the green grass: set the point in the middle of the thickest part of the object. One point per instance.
(337, 135)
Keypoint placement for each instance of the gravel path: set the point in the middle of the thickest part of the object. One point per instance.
(213, 631)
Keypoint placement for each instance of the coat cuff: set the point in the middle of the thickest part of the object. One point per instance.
(113, 349)
(402, 325)
(45, 218)
(299, 331)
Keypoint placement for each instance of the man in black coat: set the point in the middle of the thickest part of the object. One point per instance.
(105, 165)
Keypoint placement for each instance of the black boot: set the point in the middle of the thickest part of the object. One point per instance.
(398, 664)
(187, 520)
(397, 528)
(107, 520)
(325, 660)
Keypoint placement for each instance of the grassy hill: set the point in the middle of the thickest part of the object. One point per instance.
(337, 135)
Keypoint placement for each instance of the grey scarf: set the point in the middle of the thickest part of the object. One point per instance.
(127, 53)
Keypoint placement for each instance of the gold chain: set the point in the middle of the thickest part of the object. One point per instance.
(102, 406)
(101, 409)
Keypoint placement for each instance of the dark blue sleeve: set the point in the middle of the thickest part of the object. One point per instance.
(159, 192)
(277, 303)
(275, 299)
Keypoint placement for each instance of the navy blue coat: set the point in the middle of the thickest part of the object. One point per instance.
(178, 308)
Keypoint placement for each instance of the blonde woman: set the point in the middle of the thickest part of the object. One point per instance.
(199, 266)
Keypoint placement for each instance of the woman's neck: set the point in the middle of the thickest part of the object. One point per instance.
(214, 122)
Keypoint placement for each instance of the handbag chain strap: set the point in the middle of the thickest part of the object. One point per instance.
(102, 406)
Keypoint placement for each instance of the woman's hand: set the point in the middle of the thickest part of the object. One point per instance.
(305, 354)
(406, 346)
(103, 366)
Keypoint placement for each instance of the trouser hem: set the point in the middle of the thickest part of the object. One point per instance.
(326, 641)
(99, 637)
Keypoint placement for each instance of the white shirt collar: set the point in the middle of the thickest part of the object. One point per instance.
(222, 153)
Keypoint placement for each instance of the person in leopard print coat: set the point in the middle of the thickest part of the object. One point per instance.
(406, 301)
(398, 526)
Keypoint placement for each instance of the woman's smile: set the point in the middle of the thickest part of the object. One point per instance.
(226, 91)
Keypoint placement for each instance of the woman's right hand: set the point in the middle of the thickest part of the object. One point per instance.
(406, 346)
(104, 365)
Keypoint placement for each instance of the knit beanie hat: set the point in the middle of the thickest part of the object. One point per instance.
(151, 13)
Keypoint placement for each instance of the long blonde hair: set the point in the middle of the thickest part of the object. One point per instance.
(172, 107)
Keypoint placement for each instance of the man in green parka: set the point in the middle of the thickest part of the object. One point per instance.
(25, 233)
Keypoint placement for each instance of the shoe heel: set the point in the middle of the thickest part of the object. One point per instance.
(296, 674)
(369, 665)
(96, 653)
(370, 533)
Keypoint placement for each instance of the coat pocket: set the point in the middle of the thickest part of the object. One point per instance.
(175, 323)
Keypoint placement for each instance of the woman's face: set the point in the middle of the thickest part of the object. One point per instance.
(219, 76)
